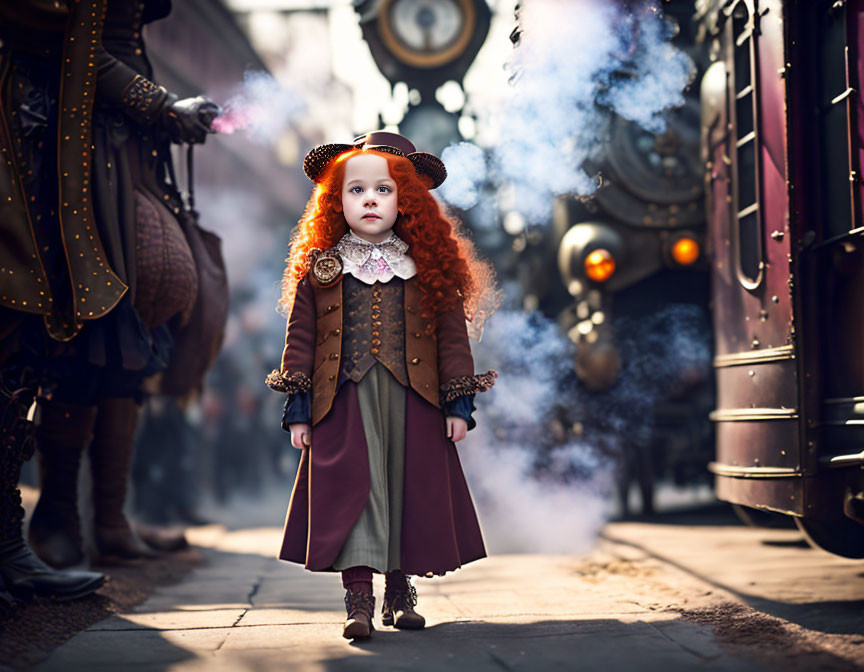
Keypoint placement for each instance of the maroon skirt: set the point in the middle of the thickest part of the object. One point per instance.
(440, 531)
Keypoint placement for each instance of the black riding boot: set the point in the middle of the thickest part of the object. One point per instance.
(110, 463)
(64, 431)
(21, 573)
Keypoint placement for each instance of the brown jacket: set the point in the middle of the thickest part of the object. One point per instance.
(313, 344)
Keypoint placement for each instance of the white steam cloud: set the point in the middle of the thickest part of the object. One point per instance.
(539, 486)
(536, 490)
(576, 63)
(464, 162)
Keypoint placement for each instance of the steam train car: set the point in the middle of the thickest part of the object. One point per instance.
(782, 113)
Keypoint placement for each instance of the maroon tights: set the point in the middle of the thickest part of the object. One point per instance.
(357, 579)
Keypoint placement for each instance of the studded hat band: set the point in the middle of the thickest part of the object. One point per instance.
(381, 141)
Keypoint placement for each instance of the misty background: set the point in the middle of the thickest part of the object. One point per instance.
(531, 112)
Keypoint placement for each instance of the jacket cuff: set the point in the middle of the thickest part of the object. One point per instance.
(143, 100)
(461, 407)
(461, 386)
(298, 408)
(289, 383)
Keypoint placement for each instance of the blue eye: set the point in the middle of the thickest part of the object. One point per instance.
(356, 190)
(384, 190)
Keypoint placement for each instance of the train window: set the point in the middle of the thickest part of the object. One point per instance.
(744, 113)
(746, 168)
(747, 224)
(835, 132)
(741, 31)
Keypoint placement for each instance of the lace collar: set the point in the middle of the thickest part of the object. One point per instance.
(375, 262)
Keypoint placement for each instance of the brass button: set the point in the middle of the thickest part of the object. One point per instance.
(336, 332)
(333, 355)
(376, 342)
(374, 351)
(417, 334)
(331, 377)
(375, 333)
(416, 360)
(426, 386)
(376, 324)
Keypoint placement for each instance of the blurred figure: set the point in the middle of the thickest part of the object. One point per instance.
(38, 270)
(119, 268)
(166, 468)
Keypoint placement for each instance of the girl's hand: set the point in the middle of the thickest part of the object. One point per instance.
(456, 429)
(301, 435)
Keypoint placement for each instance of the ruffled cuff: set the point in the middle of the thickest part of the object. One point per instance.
(298, 408)
(461, 407)
(461, 386)
(289, 383)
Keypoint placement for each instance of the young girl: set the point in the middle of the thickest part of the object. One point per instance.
(379, 377)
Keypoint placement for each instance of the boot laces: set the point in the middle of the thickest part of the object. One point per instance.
(411, 596)
(406, 593)
(359, 603)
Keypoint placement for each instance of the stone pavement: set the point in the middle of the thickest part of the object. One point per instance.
(773, 571)
(617, 608)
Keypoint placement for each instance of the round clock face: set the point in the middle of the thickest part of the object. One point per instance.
(427, 33)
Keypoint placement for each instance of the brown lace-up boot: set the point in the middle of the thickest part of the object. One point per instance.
(110, 461)
(360, 608)
(400, 598)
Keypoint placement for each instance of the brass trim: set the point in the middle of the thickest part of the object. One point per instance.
(778, 354)
(421, 59)
(844, 400)
(840, 461)
(734, 471)
(748, 414)
(750, 137)
(843, 96)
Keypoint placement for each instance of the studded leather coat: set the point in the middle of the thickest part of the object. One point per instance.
(66, 271)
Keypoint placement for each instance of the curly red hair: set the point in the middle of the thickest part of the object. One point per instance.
(448, 269)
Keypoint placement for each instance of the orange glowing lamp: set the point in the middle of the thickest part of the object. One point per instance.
(685, 251)
(599, 265)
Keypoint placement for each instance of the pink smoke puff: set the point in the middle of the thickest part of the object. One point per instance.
(236, 119)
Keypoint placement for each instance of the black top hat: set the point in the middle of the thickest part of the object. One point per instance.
(381, 141)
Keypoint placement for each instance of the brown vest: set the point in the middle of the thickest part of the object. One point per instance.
(420, 357)
(373, 328)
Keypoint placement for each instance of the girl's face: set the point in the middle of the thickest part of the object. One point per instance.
(369, 199)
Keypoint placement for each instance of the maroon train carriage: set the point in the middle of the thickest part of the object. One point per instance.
(782, 113)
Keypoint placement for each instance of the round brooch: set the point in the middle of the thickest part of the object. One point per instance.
(327, 267)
